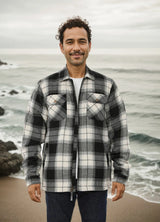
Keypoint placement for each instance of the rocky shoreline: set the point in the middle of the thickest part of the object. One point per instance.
(9, 163)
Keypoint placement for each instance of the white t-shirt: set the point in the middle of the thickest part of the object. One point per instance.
(77, 85)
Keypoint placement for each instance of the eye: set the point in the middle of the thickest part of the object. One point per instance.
(83, 41)
(69, 42)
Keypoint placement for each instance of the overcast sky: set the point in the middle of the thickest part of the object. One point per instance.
(114, 23)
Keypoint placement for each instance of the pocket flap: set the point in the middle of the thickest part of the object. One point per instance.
(56, 99)
(97, 98)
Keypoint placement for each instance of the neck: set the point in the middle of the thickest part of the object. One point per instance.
(76, 71)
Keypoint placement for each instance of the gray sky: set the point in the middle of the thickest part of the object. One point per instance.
(114, 23)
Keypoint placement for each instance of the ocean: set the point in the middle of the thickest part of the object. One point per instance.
(137, 74)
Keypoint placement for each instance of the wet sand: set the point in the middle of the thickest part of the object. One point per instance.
(16, 206)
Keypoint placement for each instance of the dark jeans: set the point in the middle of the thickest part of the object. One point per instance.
(92, 206)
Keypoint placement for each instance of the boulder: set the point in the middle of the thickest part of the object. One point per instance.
(6, 146)
(9, 163)
(3, 147)
(10, 145)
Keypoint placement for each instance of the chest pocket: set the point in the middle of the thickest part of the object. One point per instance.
(96, 106)
(56, 106)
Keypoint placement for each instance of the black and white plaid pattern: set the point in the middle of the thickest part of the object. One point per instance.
(96, 127)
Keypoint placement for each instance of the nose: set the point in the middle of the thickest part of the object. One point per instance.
(76, 46)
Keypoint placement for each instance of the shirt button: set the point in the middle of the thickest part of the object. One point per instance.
(97, 100)
(55, 101)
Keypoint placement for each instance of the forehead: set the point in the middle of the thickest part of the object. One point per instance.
(75, 33)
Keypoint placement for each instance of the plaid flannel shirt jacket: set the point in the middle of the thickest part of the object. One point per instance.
(96, 128)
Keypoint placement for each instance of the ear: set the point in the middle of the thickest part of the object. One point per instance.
(90, 46)
(61, 47)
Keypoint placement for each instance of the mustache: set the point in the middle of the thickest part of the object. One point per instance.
(76, 53)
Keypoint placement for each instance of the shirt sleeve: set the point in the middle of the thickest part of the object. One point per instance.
(33, 137)
(118, 134)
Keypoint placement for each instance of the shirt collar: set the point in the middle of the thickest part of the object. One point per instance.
(64, 75)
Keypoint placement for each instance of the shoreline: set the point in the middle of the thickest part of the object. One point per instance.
(127, 192)
(16, 206)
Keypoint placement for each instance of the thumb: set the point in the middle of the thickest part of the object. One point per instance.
(38, 190)
(113, 188)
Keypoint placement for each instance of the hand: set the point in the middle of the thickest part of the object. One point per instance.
(34, 191)
(120, 188)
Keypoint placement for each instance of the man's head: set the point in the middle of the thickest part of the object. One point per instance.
(71, 23)
(75, 41)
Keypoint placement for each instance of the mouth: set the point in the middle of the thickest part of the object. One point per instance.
(76, 54)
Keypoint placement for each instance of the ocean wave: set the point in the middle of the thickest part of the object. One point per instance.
(146, 115)
(122, 70)
(144, 161)
(11, 112)
(18, 111)
(9, 66)
(144, 177)
(17, 94)
(144, 138)
(13, 126)
(140, 94)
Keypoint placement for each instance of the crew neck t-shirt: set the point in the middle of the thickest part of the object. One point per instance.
(77, 85)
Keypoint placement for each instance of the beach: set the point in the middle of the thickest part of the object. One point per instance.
(16, 206)
(136, 72)
(137, 77)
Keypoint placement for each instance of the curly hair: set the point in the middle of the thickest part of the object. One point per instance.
(73, 22)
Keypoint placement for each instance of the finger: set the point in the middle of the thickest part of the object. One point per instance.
(118, 196)
(113, 188)
(32, 194)
(38, 191)
(35, 198)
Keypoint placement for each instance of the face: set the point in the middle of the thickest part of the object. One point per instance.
(75, 46)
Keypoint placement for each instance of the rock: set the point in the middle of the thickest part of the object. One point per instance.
(2, 111)
(3, 63)
(3, 147)
(9, 163)
(8, 146)
(12, 92)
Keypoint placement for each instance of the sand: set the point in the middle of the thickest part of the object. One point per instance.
(16, 206)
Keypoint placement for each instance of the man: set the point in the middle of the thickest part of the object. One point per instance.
(79, 117)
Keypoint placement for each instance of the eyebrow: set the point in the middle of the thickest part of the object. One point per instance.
(78, 39)
(68, 40)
